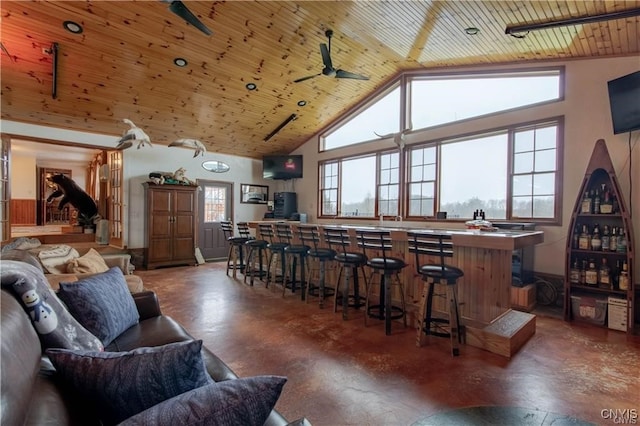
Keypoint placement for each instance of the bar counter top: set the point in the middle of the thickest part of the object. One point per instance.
(501, 239)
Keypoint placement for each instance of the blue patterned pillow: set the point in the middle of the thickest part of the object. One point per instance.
(246, 402)
(122, 384)
(102, 303)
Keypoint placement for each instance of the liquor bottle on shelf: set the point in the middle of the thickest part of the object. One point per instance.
(584, 240)
(606, 238)
(583, 273)
(596, 241)
(574, 273)
(586, 203)
(615, 209)
(576, 236)
(606, 207)
(623, 279)
(615, 276)
(596, 202)
(622, 241)
(604, 274)
(591, 275)
(613, 241)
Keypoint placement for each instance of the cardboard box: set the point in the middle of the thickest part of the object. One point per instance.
(618, 313)
(523, 298)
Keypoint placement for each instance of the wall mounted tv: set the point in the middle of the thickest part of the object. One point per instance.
(624, 98)
(282, 166)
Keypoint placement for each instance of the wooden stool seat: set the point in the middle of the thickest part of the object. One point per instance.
(437, 247)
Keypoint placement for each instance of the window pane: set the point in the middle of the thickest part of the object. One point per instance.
(523, 163)
(546, 137)
(384, 177)
(358, 187)
(543, 206)
(416, 173)
(214, 204)
(472, 179)
(429, 172)
(521, 207)
(522, 185)
(545, 160)
(544, 184)
(524, 141)
(382, 117)
(459, 98)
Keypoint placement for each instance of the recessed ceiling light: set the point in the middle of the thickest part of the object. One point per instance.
(72, 27)
(251, 86)
(180, 62)
(302, 103)
(472, 30)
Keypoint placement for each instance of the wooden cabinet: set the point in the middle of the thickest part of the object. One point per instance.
(591, 293)
(170, 225)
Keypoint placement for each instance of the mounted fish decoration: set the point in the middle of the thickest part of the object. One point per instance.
(135, 133)
(191, 143)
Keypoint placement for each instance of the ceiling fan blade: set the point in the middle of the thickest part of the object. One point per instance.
(181, 10)
(347, 74)
(326, 57)
(306, 78)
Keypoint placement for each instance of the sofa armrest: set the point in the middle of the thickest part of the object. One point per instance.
(147, 304)
(121, 260)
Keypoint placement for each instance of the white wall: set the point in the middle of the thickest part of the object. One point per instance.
(587, 119)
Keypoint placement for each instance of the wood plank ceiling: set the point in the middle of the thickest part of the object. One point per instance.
(121, 65)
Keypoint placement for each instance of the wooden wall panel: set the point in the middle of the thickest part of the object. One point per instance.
(23, 212)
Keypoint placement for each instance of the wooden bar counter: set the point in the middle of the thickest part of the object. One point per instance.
(484, 293)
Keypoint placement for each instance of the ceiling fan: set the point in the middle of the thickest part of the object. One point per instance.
(178, 7)
(328, 69)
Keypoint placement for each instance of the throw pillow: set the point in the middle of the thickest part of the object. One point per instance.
(22, 243)
(122, 384)
(55, 326)
(246, 402)
(54, 259)
(90, 263)
(102, 303)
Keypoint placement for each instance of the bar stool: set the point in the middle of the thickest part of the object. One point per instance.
(295, 252)
(236, 244)
(379, 242)
(310, 236)
(350, 262)
(441, 274)
(276, 252)
(254, 246)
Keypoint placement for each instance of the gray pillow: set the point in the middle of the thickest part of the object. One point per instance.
(102, 303)
(55, 326)
(122, 384)
(246, 402)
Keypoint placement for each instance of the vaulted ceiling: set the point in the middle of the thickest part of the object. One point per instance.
(122, 64)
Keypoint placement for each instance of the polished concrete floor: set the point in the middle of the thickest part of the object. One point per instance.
(343, 373)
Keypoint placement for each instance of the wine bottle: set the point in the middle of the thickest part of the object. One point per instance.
(591, 275)
(596, 241)
(622, 241)
(584, 241)
(604, 278)
(606, 238)
(586, 203)
(623, 280)
(574, 272)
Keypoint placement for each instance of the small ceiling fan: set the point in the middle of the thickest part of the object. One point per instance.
(179, 8)
(328, 69)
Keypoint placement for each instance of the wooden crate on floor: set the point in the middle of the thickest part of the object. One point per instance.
(523, 298)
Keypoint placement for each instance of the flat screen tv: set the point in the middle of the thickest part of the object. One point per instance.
(282, 166)
(624, 98)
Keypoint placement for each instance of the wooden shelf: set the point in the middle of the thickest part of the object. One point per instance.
(599, 173)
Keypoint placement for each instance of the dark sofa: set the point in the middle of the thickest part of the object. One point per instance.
(31, 395)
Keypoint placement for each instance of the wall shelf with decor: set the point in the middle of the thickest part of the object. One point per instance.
(599, 275)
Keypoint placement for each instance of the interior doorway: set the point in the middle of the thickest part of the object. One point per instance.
(215, 202)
